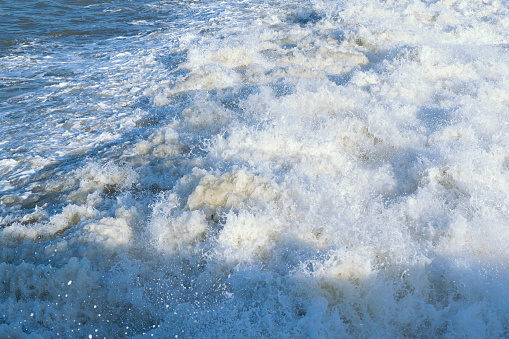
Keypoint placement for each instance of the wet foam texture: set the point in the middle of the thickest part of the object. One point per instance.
(274, 169)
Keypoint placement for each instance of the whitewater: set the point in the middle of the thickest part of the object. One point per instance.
(254, 169)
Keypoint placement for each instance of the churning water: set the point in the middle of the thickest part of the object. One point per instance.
(216, 169)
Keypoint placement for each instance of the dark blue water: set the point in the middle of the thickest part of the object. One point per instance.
(47, 28)
(77, 21)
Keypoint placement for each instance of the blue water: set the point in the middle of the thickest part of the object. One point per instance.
(276, 169)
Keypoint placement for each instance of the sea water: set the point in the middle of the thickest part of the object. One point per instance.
(277, 169)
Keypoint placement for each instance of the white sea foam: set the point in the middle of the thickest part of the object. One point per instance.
(328, 169)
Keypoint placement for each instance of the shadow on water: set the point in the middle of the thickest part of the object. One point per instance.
(434, 118)
(341, 79)
(437, 294)
(304, 17)
(296, 290)
(300, 288)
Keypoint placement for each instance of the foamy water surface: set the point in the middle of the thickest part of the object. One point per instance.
(277, 169)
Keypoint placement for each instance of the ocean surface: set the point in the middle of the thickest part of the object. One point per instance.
(254, 169)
